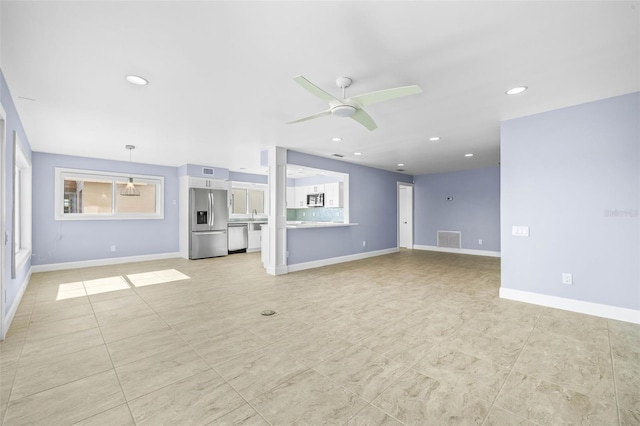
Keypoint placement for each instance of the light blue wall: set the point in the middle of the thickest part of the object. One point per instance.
(92, 239)
(314, 180)
(474, 210)
(248, 177)
(13, 123)
(563, 173)
(196, 170)
(372, 204)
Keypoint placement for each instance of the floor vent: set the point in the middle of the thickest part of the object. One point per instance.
(449, 239)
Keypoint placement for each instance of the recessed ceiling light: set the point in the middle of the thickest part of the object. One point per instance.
(136, 79)
(336, 139)
(516, 90)
(468, 155)
(400, 164)
(435, 138)
(357, 153)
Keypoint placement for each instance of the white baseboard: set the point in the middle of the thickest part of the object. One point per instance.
(11, 313)
(278, 270)
(458, 251)
(102, 262)
(589, 308)
(333, 260)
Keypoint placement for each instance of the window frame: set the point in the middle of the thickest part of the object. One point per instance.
(250, 186)
(115, 177)
(22, 207)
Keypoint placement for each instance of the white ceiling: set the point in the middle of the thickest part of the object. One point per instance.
(221, 85)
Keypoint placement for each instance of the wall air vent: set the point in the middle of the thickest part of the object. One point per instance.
(337, 155)
(449, 239)
(207, 171)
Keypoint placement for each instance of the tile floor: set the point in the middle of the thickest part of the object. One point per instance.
(415, 338)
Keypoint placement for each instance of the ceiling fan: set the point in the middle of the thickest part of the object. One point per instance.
(352, 107)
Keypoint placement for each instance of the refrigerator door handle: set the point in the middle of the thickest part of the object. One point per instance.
(213, 215)
(209, 232)
(210, 208)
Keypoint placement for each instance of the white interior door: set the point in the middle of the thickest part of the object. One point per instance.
(405, 216)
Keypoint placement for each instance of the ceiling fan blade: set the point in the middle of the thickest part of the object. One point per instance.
(365, 119)
(387, 94)
(314, 89)
(316, 115)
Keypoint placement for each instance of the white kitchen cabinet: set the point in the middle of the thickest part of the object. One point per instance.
(301, 196)
(255, 239)
(334, 194)
(316, 189)
(197, 182)
(291, 197)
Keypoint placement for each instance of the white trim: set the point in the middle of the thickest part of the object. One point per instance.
(3, 153)
(589, 308)
(25, 206)
(333, 260)
(398, 201)
(8, 319)
(458, 251)
(102, 262)
(279, 270)
(114, 178)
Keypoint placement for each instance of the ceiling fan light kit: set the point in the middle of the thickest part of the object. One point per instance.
(352, 107)
(343, 110)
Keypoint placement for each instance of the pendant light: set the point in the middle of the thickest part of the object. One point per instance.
(130, 189)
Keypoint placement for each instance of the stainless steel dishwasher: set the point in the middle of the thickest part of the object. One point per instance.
(238, 237)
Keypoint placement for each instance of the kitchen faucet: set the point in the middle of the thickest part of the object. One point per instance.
(253, 212)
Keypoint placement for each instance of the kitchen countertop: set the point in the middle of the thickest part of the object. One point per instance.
(247, 221)
(296, 224)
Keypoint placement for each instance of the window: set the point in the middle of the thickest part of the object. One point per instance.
(248, 199)
(21, 206)
(90, 195)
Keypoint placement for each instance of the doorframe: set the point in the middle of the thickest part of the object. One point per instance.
(408, 185)
(3, 180)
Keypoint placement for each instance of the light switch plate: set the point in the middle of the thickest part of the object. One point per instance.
(520, 231)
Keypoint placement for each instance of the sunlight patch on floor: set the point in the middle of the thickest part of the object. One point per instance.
(156, 277)
(116, 283)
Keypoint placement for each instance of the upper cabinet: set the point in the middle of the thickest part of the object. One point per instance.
(198, 182)
(334, 194)
(291, 197)
(315, 189)
(301, 196)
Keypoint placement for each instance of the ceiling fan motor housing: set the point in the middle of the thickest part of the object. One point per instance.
(343, 110)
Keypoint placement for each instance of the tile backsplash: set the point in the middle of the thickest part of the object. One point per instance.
(318, 214)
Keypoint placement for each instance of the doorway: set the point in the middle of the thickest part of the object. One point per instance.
(405, 215)
(3, 235)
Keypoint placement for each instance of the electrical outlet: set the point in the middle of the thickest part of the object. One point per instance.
(480, 242)
(304, 214)
(313, 213)
(520, 231)
(113, 248)
(567, 278)
(364, 244)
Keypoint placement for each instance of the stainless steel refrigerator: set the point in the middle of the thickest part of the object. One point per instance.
(208, 219)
